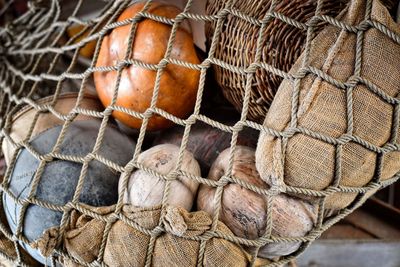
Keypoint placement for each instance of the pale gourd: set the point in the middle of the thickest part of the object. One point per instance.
(147, 190)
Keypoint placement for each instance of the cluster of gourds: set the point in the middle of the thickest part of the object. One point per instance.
(207, 151)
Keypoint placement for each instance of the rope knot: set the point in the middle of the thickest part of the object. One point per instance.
(174, 222)
(47, 158)
(157, 231)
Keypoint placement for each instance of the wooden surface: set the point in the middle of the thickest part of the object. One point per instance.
(376, 219)
(351, 253)
(363, 225)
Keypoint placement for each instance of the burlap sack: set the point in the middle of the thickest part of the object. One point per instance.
(6, 247)
(127, 246)
(310, 163)
(8, 255)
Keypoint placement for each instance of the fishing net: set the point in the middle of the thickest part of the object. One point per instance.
(337, 111)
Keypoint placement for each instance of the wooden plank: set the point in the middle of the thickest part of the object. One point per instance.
(335, 253)
(346, 231)
(375, 226)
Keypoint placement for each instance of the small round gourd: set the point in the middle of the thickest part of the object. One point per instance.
(206, 142)
(147, 190)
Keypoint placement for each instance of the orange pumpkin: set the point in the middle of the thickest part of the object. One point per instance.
(178, 85)
(86, 50)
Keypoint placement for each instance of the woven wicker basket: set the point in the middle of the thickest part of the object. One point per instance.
(284, 44)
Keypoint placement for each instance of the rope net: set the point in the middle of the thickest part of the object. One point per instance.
(45, 80)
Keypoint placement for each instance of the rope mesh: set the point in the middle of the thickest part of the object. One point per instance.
(36, 62)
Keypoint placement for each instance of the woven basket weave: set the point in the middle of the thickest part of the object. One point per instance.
(237, 46)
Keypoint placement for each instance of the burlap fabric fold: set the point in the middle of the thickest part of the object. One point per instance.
(338, 109)
(8, 253)
(127, 244)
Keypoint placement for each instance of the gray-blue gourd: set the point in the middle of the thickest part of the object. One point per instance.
(60, 178)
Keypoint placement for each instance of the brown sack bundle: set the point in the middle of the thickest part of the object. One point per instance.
(346, 132)
(128, 246)
(8, 253)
